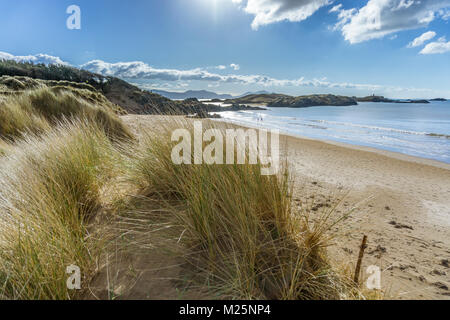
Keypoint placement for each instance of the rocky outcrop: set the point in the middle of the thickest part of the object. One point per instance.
(282, 100)
(261, 99)
(313, 101)
(374, 99)
(387, 100)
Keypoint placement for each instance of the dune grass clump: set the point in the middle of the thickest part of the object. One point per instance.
(39, 109)
(49, 189)
(237, 228)
(15, 120)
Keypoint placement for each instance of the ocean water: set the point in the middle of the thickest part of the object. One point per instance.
(421, 130)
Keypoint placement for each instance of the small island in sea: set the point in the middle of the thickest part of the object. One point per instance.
(315, 100)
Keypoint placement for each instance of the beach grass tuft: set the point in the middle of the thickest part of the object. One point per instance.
(237, 228)
(39, 109)
(49, 189)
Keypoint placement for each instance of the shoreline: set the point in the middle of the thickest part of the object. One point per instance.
(388, 153)
(401, 202)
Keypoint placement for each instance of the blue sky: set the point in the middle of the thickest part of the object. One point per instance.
(398, 48)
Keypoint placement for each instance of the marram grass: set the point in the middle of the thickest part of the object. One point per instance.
(39, 109)
(235, 228)
(49, 189)
(239, 233)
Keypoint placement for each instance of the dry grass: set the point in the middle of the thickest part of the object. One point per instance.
(37, 110)
(236, 227)
(49, 188)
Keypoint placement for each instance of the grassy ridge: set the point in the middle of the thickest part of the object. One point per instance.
(37, 110)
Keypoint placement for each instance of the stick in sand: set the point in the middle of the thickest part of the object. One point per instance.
(361, 255)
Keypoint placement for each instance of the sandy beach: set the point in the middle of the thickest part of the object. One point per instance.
(401, 203)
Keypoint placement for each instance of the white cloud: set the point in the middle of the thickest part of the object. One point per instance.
(344, 16)
(221, 67)
(235, 66)
(445, 15)
(36, 59)
(440, 46)
(422, 39)
(142, 71)
(379, 18)
(177, 79)
(336, 8)
(271, 11)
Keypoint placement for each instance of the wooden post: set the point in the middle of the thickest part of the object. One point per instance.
(361, 255)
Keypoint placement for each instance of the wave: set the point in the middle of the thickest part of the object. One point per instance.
(431, 134)
(282, 119)
(315, 126)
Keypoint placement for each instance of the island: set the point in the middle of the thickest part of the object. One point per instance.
(387, 100)
(281, 100)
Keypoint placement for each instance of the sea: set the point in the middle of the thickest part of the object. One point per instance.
(421, 130)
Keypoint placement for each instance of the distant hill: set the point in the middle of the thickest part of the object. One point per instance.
(202, 94)
(254, 93)
(282, 100)
(198, 94)
(256, 98)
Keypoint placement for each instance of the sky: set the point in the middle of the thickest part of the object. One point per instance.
(395, 48)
